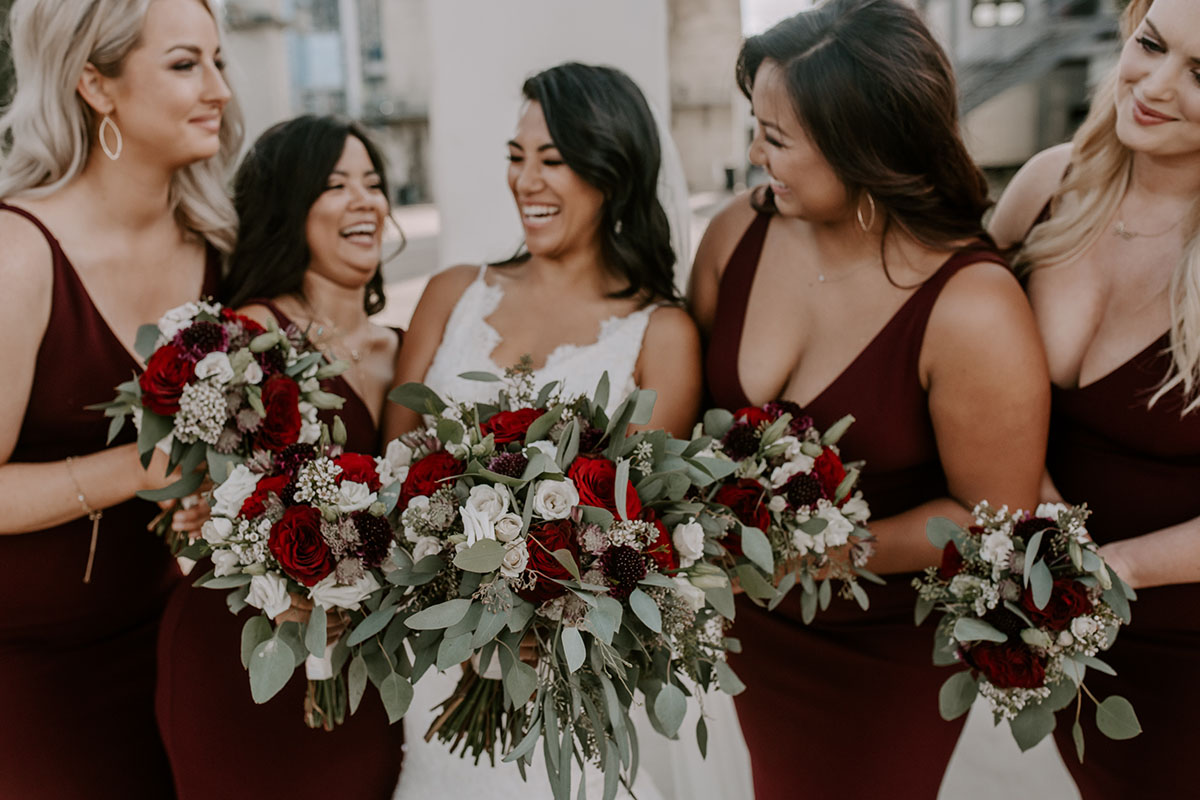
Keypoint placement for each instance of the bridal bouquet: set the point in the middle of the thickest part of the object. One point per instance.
(312, 521)
(1028, 603)
(536, 523)
(787, 513)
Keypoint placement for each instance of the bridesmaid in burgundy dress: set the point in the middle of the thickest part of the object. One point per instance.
(114, 213)
(860, 281)
(1112, 273)
(312, 201)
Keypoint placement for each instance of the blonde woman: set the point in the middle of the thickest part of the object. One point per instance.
(113, 212)
(1113, 270)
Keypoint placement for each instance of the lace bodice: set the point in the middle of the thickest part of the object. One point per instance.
(469, 341)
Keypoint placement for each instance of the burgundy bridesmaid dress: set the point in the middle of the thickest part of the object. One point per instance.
(847, 706)
(77, 659)
(1138, 469)
(223, 745)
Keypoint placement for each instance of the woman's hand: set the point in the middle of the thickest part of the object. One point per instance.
(301, 611)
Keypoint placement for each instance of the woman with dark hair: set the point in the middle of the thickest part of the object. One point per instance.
(311, 197)
(592, 292)
(860, 281)
(1109, 230)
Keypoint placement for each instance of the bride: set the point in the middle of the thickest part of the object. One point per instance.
(591, 292)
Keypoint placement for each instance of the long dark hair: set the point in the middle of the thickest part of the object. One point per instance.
(876, 94)
(601, 124)
(277, 183)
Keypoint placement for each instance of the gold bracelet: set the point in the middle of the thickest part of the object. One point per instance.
(92, 514)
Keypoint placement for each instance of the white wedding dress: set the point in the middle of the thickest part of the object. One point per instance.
(668, 769)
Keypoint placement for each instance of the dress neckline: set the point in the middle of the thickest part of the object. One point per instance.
(561, 352)
(351, 394)
(756, 226)
(1160, 342)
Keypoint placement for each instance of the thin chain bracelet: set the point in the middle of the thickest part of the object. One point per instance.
(92, 514)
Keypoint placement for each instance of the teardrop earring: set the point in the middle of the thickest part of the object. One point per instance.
(113, 153)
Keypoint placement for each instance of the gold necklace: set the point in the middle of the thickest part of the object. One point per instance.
(326, 343)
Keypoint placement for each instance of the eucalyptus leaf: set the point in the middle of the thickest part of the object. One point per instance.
(482, 557)
(757, 549)
(373, 624)
(1096, 664)
(520, 682)
(573, 647)
(600, 396)
(256, 631)
(356, 680)
(1029, 727)
(1062, 694)
(271, 665)
(670, 706)
(727, 679)
(621, 488)
(702, 736)
(186, 485)
(717, 422)
(390, 495)
(147, 338)
(541, 426)
(564, 557)
(646, 609)
(970, 629)
(753, 583)
(482, 377)
(956, 695)
(226, 581)
(417, 397)
(490, 625)
(1116, 719)
(808, 605)
(449, 430)
(1031, 554)
(1077, 736)
(923, 609)
(941, 531)
(314, 631)
(220, 464)
(397, 695)
(824, 593)
(442, 615)
(1042, 583)
(453, 650)
(605, 619)
(721, 598)
(835, 431)
(860, 595)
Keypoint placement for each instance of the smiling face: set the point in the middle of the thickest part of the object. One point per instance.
(170, 95)
(559, 210)
(803, 182)
(1158, 93)
(344, 228)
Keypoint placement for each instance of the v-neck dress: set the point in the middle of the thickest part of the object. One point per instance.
(77, 659)
(847, 706)
(222, 744)
(1138, 469)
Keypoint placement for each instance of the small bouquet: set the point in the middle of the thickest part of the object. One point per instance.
(218, 387)
(1028, 603)
(312, 520)
(536, 521)
(787, 512)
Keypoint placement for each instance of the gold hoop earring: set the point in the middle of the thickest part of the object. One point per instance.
(112, 153)
(866, 225)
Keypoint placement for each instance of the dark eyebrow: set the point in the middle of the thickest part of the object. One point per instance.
(541, 148)
(1158, 35)
(345, 174)
(191, 48)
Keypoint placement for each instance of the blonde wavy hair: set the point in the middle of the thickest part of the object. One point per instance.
(48, 132)
(1095, 186)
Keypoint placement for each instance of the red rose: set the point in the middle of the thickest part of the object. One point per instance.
(1068, 599)
(753, 416)
(281, 426)
(256, 503)
(662, 550)
(543, 540)
(359, 469)
(952, 562)
(1007, 665)
(829, 470)
(298, 546)
(744, 498)
(425, 476)
(250, 326)
(510, 426)
(167, 372)
(595, 480)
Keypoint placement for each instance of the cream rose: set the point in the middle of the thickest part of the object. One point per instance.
(426, 546)
(215, 365)
(516, 556)
(269, 593)
(491, 501)
(555, 499)
(330, 594)
(216, 529)
(225, 562)
(353, 496)
(229, 496)
(688, 538)
(692, 595)
(508, 527)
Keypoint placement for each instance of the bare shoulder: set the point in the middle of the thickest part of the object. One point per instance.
(446, 287)
(669, 328)
(26, 270)
(1027, 194)
(981, 307)
(724, 231)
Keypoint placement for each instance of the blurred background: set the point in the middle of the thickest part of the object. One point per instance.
(437, 82)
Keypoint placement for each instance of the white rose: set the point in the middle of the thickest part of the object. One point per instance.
(476, 525)
(508, 527)
(555, 499)
(229, 496)
(1049, 510)
(426, 546)
(516, 556)
(253, 374)
(216, 529)
(398, 454)
(269, 593)
(786, 471)
(330, 594)
(777, 503)
(802, 541)
(856, 508)
(1065, 639)
(996, 548)
(177, 319)
(544, 446)
(491, 501)
(1084, 626)
(692, 595)
(688, 538)
(215, 365)
(354, 496)
(838, 531)
(225, 562)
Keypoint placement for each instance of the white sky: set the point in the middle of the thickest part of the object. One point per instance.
(758, 15)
